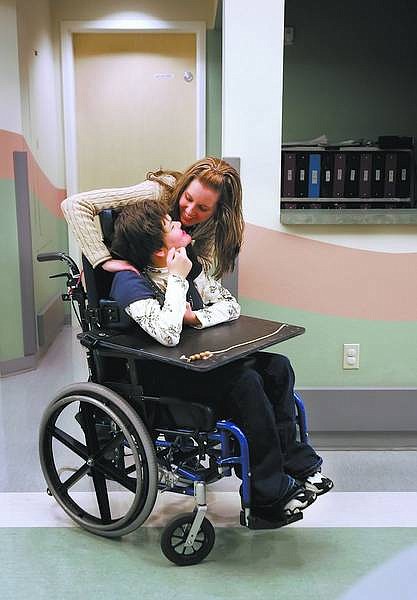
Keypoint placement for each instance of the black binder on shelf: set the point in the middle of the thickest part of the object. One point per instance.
(355, 176)
(390, 174)
(403, 179)
(365, 171)
(327, 175)
(339, 175)
(378, 174)
(352, 174)
(301, 180)
(288, 175)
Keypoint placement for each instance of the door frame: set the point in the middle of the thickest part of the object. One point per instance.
(68, 83)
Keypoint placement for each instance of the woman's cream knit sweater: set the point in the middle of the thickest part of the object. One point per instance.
(80, 210)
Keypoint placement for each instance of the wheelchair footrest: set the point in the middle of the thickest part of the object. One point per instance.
(258, 523)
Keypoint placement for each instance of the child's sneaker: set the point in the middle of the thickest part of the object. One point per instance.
(295, 500)
(318, 483)
(300, 500)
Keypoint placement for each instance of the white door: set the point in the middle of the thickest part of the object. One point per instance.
(135, 105)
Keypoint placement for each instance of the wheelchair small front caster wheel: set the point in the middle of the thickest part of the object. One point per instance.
(174, 537)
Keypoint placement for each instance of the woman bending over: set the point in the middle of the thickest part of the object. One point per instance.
(206, 198)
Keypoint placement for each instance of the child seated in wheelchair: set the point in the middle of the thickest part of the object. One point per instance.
(168, 292)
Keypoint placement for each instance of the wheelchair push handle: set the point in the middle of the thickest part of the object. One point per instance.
(46, 256)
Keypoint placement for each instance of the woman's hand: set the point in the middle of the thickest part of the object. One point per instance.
(190, 318)
(178, 262)
(113, 266)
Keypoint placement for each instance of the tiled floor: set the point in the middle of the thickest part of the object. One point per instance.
(287, 564)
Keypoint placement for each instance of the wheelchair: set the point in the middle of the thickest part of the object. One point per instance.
(106, 448)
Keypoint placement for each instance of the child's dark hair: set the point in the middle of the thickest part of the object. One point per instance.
(138, 232)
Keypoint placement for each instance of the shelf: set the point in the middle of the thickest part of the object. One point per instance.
(349, 216)
(344, 200)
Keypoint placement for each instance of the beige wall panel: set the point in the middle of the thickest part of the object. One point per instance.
(134, 110)
(10, 110)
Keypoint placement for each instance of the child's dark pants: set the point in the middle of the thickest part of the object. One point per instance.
(257, 395)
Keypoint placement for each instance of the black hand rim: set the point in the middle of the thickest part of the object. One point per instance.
(59, 489)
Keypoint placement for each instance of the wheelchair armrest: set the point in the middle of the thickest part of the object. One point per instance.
(109, 315)
(112, 316)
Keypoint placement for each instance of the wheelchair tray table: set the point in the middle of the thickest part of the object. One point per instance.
(248, 334)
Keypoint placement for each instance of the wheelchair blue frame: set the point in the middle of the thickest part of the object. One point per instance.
(225, 429)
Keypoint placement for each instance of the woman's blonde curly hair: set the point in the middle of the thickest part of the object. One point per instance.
(219, 239)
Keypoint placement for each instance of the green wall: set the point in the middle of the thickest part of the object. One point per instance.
(351, 72)
(11, 333)
(388, 349)
(48, 233)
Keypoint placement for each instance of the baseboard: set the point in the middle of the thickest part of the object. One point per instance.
(50, 321)
(18, 365)
(361, 410)
(364, 440)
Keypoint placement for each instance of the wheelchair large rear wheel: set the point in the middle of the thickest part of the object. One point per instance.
(98, 459)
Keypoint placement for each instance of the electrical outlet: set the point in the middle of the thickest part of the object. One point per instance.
(351, 356)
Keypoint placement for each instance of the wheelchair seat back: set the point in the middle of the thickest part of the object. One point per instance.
(98, 283)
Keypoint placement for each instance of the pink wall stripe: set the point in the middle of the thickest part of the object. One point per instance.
(49, 195)
(304, 274)
(9, 143)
